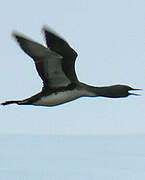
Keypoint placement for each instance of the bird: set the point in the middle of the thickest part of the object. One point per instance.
(55, 64)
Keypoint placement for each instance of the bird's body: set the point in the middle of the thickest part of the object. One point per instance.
(56, 67)
(60, 96)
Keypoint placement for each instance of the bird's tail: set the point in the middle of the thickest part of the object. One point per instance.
(10, 102)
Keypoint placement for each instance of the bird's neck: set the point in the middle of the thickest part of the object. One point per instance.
(105, 91)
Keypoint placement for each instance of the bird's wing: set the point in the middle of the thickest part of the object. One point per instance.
(60, 46)
(47, 62)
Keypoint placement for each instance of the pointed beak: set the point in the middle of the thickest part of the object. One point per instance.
(133, 89)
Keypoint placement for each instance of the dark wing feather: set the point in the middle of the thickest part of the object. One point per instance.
(60, 46)
(47, 62)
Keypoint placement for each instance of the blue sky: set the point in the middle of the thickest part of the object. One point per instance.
(109, 37)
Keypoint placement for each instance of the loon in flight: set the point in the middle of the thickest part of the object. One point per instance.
(55, 65)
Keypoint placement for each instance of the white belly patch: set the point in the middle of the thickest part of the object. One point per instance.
(59, 98)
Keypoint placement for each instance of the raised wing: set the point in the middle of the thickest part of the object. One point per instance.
(47, 62)
(60, 46)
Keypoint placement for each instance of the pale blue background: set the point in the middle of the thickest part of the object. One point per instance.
(109, 37)
(72, 157)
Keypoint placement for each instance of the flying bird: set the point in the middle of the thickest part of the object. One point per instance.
(55, 65)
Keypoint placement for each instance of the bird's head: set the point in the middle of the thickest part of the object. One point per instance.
(129, 90)
(118, 91)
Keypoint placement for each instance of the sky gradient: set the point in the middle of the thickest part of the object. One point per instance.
(109, 37)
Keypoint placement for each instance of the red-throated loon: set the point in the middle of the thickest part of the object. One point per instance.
(55, 65)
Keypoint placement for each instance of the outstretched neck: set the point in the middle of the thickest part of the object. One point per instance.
(98, 91)
(114, 91)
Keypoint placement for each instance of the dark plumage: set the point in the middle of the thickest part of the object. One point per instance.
(55, 65)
